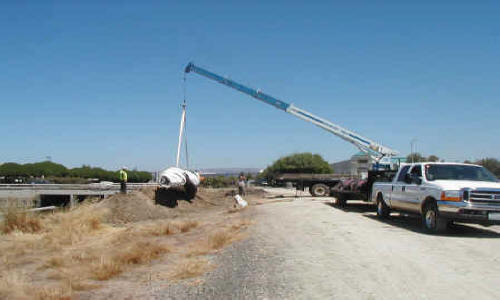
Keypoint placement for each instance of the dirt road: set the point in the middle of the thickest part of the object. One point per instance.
(308, 249)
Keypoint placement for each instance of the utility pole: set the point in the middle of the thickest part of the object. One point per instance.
(413, 142)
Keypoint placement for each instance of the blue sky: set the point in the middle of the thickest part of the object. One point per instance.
(100, 82)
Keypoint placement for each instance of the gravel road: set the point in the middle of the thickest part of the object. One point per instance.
(307, 249)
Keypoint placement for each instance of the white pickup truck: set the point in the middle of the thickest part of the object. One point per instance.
(441, 193)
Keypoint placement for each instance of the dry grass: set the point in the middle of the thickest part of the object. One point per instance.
(190, 268)
(81, 285)
(106, 269)
(163, 228)
(70, 227)
(140, 253)
(18, 286)
(54, 262)
(70, 249)
(18, 219)
(219, 239)
(53, 293)
(13, 285)
(117, 260)
(186, 226)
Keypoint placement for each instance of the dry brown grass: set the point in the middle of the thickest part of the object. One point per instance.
(53, 293)
(18, 219)
(70, 249)
(54, 262)
(13, 285)
(190, 268)
(81, 285)
(187, 225)
(140, 253)
(219, 239)
(163, 228)
(106, 269)
(18, 286)
(117, 261)
(168, 228)
(70, 227)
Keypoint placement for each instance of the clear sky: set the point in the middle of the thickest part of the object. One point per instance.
(100, 82)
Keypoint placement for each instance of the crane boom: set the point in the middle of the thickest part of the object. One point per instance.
(373, 149)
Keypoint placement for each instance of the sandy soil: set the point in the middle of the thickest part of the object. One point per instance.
(307, 249)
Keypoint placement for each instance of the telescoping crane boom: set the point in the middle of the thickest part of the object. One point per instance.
(373, 149)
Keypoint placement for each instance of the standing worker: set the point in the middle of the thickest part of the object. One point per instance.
(123, 180)
(241, 184)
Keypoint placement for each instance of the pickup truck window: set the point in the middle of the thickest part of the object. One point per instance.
(416, 171)
(402, 173)
(458, 172)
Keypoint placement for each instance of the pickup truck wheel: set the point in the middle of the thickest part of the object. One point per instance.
(383, 211)
(320, 190)
(432, 221)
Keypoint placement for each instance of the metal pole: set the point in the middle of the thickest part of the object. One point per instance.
(412, 142)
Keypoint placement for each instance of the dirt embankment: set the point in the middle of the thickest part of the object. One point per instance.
(116, 246)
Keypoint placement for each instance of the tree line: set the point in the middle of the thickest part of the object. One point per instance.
(315, 164)
(298, 163)
(492, 164)
(59, 172)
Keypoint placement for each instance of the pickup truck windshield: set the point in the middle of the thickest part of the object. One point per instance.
(458, 172)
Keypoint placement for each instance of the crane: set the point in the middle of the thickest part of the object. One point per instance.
(374, 150)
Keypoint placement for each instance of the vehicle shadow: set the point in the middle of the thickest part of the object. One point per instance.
(414, 223)
(357, 207)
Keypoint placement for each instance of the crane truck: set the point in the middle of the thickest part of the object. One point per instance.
(382, 156)
(440, 193)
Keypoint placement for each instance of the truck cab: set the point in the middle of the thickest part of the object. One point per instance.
(441, 193)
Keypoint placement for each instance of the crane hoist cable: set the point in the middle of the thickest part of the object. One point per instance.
(183, 131)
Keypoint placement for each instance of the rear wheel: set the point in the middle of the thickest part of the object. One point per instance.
(383, 211)
(320, 190)
(431, 219)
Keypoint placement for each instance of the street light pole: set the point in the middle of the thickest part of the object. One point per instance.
(412, 142)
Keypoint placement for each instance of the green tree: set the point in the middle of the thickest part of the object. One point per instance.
(12, 169)
(298, 163)
(492, 164)
(432, 158)
(54, 170)
(417, 157)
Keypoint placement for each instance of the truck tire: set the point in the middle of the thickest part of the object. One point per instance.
(383, 211)
(320, 190)
(432, 221)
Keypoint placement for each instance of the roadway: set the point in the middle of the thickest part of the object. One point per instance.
(308, 249)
